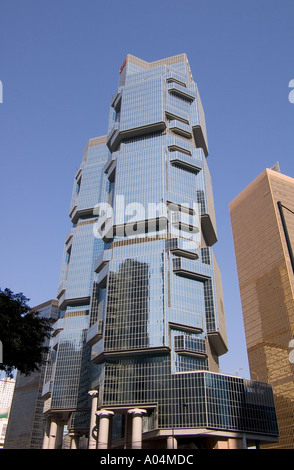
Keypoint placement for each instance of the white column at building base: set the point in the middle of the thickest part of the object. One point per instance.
(172, 443)
(137, 427)
(92, 442)
(59, 435)
(46, 434)
(53, 432)
(236, 443)
(74, 440)
(103, 432)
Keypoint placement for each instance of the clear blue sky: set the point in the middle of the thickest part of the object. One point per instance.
(59, 63)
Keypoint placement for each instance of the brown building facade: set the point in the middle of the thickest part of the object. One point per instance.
(262, 218)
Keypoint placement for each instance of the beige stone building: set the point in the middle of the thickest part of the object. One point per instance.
(262, 218)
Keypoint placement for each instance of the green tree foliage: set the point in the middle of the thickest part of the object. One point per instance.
(23, 334)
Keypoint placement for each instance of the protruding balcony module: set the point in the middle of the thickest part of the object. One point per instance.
(95, 332)
(184, 161)
(181, 91)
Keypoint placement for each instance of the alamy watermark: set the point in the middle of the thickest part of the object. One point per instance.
(134, 219)
(291, 94)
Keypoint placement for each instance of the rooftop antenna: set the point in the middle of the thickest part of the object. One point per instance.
(276, 167)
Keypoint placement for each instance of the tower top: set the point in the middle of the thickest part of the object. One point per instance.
(143, 64)
(147, 65)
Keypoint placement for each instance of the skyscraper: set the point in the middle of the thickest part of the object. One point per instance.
(143, 324)
(262, 218)
(25, 428)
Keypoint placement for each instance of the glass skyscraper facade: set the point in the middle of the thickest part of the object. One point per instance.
(140, 291)
(266, 280)
(26, 420)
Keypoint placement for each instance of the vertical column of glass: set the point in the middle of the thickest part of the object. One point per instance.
(70, 365)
